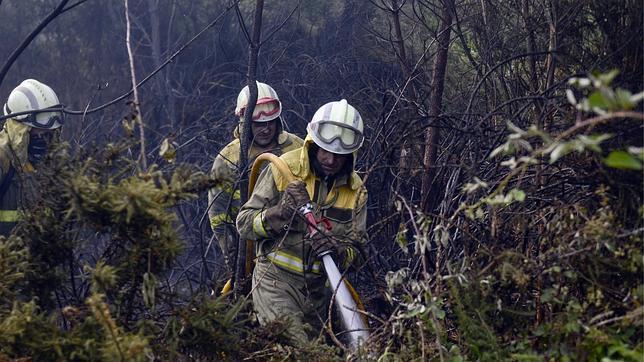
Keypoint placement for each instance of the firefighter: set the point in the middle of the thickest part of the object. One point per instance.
(24, 140)
(267, 135)
(288, 279)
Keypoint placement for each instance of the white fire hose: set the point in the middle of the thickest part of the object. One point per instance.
(344, 301)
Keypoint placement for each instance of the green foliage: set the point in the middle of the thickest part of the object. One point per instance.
(473, 313)
(518, 140)
(14, 262)
(221, 329)
(623, 160)
(23, 331)
(85, 197)
(578, 299)
(103, 277)
(126, 315)
(28, 333)
(602, 98)
(212, 327)
(117, 345)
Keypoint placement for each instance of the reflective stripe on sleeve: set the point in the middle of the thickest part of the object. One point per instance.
(9, 215)
(228, 188)
(350, 255)
(258, 225)
(292, 263)
(217, 220)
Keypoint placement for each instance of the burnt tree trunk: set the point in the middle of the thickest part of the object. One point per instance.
(432, 134)
(251, 75)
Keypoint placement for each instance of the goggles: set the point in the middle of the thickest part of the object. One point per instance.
(53, 114)
(265, 110)
(330, 131)
(265, 116)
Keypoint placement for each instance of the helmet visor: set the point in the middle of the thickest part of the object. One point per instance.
(349, 137)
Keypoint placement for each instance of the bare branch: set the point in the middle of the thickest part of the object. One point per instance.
(274, 31)
(137, 105)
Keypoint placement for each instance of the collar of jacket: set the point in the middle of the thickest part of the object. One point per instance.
(282, 142)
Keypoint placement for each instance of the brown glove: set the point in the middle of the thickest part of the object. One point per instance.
(323, 242)
(294, 197)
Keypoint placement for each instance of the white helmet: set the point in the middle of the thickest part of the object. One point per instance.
(268, 106)
(337, 127)
(32, 95)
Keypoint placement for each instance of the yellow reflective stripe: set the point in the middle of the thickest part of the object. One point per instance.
(351, 254)
(217, 220)
(228, 188)
(317, 267)
(291, 262)
(9, 215)
(258, 225)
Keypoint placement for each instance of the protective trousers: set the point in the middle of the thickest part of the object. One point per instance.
(279, 295)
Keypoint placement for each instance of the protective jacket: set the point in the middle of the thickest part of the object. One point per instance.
(14, 169)
(288, 279)
(223, 198)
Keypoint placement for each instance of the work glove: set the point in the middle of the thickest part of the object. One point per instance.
(294, 197)
(322, 242)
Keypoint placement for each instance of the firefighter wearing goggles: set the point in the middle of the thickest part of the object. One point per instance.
(34, 117)
(267, 135)
(288, 279)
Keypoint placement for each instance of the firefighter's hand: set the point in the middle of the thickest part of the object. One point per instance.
(279, 216)
(274, 220)
(295, 196)
(322, 242)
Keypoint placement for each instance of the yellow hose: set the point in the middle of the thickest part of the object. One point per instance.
(254, 173)
(227, 287)
(283, 169)
(281, 166)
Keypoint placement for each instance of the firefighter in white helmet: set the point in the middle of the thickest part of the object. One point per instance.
(288, 280)
(267, 135)
(34, 116)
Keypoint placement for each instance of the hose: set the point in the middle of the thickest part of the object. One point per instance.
(254, 174)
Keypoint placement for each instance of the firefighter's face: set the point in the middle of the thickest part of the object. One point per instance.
(330, 163)
(41, 135)
(264, 132)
